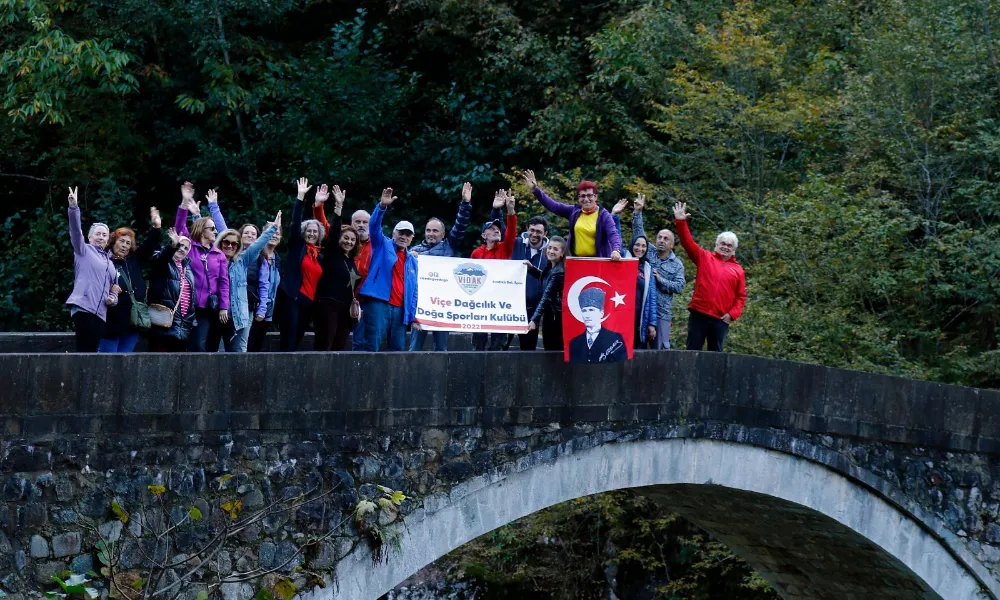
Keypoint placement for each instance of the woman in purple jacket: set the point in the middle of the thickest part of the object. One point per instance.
(592, 230)
(211, 274)
(95, 279)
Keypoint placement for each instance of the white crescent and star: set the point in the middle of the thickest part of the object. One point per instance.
(573, 297)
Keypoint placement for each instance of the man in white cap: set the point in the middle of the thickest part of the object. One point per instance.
(389, 294)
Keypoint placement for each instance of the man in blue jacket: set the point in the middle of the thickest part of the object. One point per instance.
(530, 246)
(389, 294)
(436, 244)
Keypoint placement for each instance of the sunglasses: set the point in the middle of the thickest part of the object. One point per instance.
(229, 243)
(211, 229)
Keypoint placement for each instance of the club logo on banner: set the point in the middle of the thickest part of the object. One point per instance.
(470, 277)
(599, 310)
(459, 294)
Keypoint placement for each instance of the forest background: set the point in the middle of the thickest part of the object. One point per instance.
(853, 145)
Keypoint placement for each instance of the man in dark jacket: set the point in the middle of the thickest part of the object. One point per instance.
(530, 246)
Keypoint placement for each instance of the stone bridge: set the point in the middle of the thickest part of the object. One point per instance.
(832, 484)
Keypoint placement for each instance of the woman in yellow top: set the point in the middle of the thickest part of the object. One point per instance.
(592, 230)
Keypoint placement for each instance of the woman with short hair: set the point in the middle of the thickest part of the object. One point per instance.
(94, 279)
(301, 275)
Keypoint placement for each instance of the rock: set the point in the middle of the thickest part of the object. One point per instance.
(434, 438)
(253, 499)
(81, 564)
(285, 555)
(67, 544)
(64, 516)
(31, 516)
(265, 555)
(16, 488)
(111, 531)
(368, 467)
(39, 547)
(992, 533)
(94, 505)
(64, 489)
(326, 556)
(237, 591)
(44, 571)
(991, 553)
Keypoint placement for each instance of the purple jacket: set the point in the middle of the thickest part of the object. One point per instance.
(607, 237)
(93, 271)
(205, 259)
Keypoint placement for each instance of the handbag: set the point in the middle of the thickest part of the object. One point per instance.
(355, 310)
(161, 316)
(139, 315)
(212, 303)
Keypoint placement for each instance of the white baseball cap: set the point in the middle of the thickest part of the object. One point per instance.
(404, 226)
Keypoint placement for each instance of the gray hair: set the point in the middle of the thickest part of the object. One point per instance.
(322, 231)
(728, 236)
(95, 226)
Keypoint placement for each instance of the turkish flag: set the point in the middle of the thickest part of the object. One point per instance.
(599, 309)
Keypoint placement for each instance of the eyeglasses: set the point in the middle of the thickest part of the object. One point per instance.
(211, 229)
(229, 243)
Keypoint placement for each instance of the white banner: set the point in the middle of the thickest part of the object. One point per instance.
(461, 294)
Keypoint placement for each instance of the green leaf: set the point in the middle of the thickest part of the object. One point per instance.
(119, 511)
(285, 589)
(194, 513)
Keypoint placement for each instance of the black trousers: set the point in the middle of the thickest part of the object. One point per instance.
(552, 326)
(529, 341)
(494, 342)
(333, 325)
(294, 316)
(258, 335)
(89, 331)
(703, 327)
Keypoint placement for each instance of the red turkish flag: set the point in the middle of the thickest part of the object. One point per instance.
(599, 309)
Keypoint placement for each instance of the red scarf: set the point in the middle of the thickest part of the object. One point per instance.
(311, 271)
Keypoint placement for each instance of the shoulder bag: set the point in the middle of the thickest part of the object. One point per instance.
(139, 317)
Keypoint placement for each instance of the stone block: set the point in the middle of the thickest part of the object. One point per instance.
(39, 547)
(67, 544)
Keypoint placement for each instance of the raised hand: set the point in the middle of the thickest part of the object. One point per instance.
(529, 179)
(619, 206)
(322, 194)
(187, 192)
(339, 195)
(680, 211)
(212, 196)
(500, 199)
(276, 222)
(639, 203)
(175, 239)
(154, 217)
(387, 198)
(72, 197)
(511, 203)
(193, 207)
(303, 187)
(466, 192)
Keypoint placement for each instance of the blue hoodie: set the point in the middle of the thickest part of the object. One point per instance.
(378, 284)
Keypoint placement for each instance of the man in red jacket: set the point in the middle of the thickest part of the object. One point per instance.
(500, 250)
(720, 286)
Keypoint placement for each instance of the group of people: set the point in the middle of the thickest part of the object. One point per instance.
(208, 285)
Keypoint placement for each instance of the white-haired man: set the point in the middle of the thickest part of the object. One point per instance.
(720, 286)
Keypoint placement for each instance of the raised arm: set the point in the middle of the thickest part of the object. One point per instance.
(252, 252)
(638, 226)
(75, 224)
(556, 208)
(375, 235)
(295, 232)
(694, 251)
(507, 245)
(180, 219)
(457, 233)
(319, 210)
(213, 207)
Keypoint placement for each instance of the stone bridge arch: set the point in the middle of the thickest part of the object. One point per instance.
(812, 530)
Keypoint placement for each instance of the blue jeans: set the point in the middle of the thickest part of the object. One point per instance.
(358, 335)
(375, 319)
(417, 340)
(236, 341)
(123, 343)
(397, 330)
